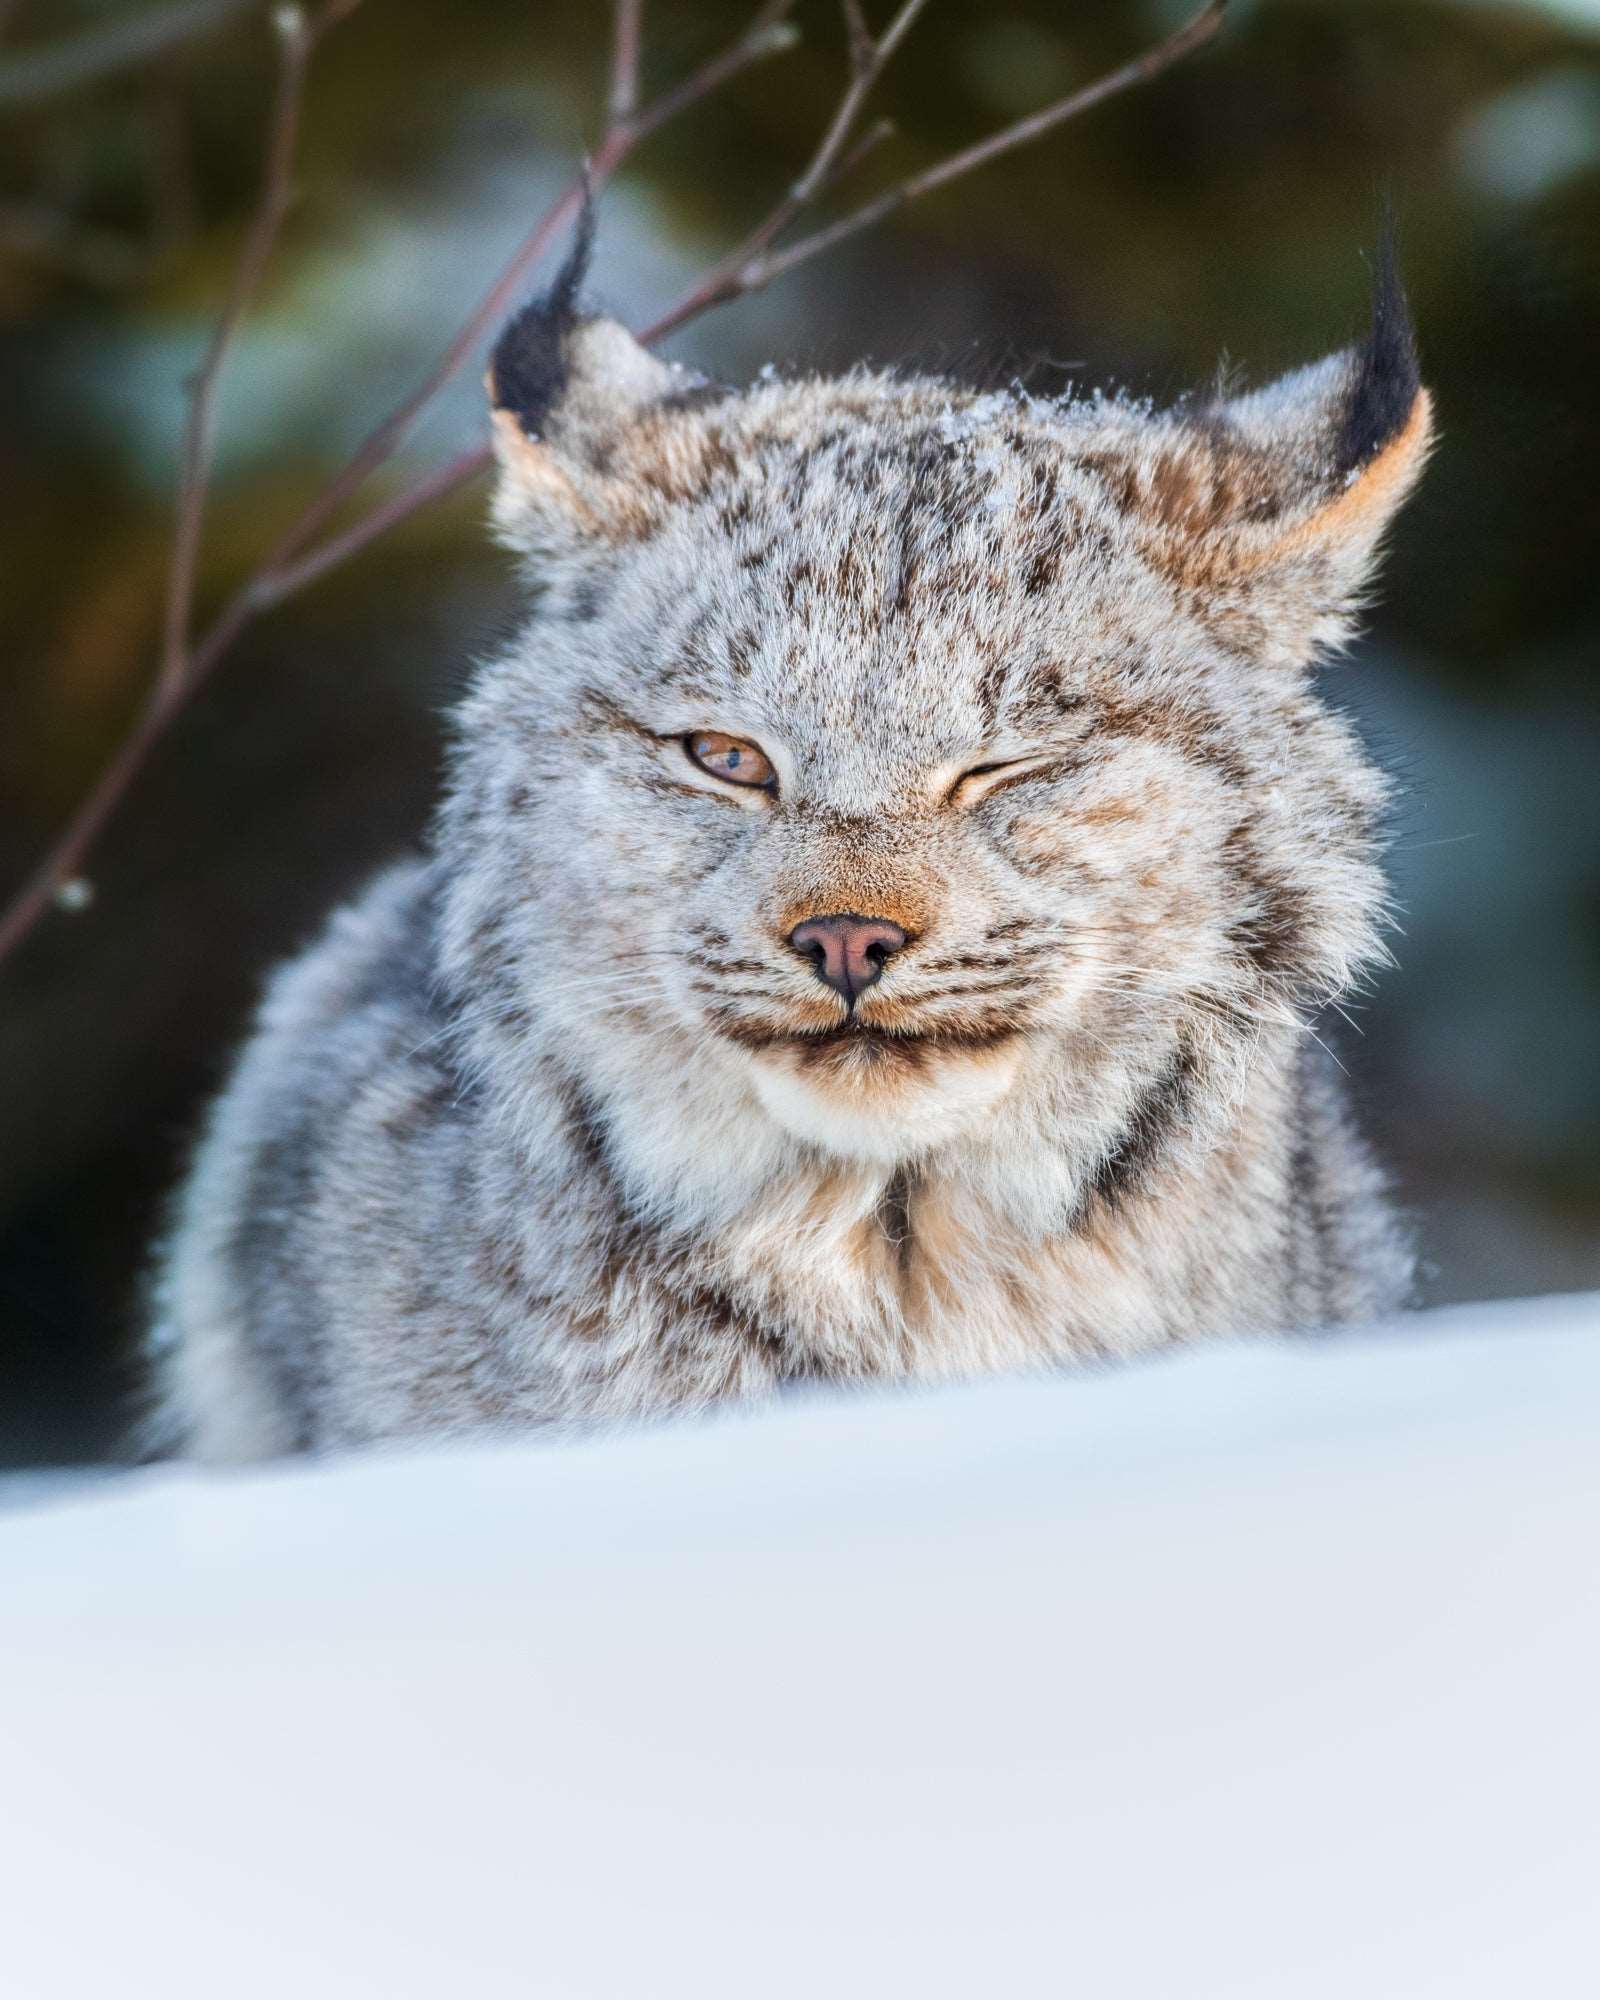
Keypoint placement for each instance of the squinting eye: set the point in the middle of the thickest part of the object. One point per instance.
(727, 757)
(979, 780)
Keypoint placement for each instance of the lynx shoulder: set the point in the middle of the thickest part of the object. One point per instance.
(872, 926)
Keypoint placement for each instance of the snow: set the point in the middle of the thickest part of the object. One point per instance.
(1267, 1670)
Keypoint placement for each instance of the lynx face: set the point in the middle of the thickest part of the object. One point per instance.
(882, 756)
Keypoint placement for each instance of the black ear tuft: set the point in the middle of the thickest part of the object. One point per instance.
(528, 369)
(1385, 380)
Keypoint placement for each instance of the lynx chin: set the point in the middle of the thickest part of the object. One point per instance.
(872, 928)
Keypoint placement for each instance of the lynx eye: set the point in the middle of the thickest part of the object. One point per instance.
(730, 758)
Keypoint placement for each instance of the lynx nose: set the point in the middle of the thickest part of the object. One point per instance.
(847, 952)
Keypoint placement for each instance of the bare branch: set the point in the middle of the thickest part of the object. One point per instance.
(858, 35)
(291, 567)
(626, 34)
(297, 38)
(1023, 133)
(185, 664)
(896, 32)
(770, 33)
(876, 133)
(273, 586)
(867, 61)
(380, 444)
(104, 796)
(733, 278)
(386, 437)
(180, 671)
(766, 35)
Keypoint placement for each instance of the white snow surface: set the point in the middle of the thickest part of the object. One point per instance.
(1269, 1669)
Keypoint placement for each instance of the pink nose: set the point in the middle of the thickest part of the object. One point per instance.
(847, 952)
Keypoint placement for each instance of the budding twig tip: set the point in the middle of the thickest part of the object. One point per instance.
(774, 40)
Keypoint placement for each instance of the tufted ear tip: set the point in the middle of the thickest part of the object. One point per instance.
(1382, 428)
(1325, 455)
(1385, 378)
(530, 364)
(1282, 494)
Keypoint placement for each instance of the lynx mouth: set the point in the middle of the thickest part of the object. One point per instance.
(868, 1090)
(867, 1043)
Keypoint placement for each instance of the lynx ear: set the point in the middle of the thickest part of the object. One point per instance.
(1273, 504)
(571, 398)
(1342, 443)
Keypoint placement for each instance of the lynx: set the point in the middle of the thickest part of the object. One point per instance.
(873, 928)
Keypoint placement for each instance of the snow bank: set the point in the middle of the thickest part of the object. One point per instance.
(1266, 1670)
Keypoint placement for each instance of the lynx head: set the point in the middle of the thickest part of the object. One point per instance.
(892, 765)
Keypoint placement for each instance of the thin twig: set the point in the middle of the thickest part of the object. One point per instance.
(291, 567)
(770, 33)
(857, 34)
(273, 586)
(380, 444)
(386, 437)
(759, 264)
(623, 99)
(868, 58)
(1023, 133)
(876, 133)
(298, 35)
(288, 569)
(181, 669)
(868, 61)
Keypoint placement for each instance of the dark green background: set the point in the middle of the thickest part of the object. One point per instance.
(1226, 211)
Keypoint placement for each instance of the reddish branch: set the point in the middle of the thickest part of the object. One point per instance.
(298, 35)
(290, 565)
(299, 559)
(756, 263)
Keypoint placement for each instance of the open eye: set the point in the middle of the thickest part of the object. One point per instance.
(728, 757)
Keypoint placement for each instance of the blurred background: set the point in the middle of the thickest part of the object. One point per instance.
(1226, 211)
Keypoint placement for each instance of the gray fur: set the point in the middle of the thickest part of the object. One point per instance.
(553, 1125)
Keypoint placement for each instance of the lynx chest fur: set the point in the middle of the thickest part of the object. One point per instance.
(872, 927)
